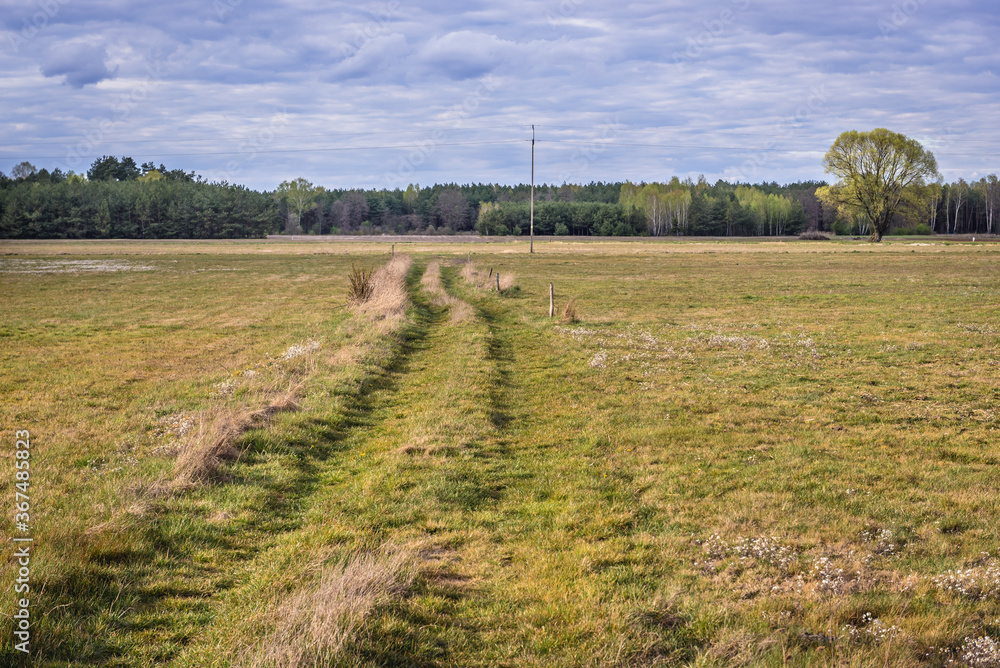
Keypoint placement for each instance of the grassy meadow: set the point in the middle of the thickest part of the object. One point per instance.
(766, 453)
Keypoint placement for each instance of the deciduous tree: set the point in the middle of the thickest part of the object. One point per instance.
(874, 171)
(299, 195)
(22, 170)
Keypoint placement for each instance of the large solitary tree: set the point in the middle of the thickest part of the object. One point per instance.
(875, 169)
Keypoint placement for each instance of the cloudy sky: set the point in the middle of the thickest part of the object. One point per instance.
(391, 92)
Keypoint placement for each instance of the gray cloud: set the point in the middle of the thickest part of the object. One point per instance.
(696, 87)
(80, 63)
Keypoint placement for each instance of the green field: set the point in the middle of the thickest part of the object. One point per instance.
(774, 453)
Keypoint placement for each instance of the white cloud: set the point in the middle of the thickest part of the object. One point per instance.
(391, 71)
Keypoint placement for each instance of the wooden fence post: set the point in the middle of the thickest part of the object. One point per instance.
(552, 300)
(498, 281)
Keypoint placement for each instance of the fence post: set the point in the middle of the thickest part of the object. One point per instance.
(552, 300)
(498, 281)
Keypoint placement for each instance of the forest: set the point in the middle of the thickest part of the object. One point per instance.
(117, 198)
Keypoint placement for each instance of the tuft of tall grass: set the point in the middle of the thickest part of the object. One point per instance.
(313, 625)
(487, 280)
(389, 299)
(360, 285)
(569, 313)
(214, 442)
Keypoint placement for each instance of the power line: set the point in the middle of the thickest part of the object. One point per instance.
(358, 133)
(77, 138)
(596, 142)
(742, 149)
(301, 150)
(686, 146)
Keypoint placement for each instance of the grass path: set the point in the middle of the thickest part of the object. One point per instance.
(525, 551)
(533, 556)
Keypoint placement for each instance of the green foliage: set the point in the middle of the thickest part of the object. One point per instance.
(299, 195)
(674, 207)
(155, 209)
(875, 170)
(110, 168)
(916, 230)
(569, 218)
(666, 206)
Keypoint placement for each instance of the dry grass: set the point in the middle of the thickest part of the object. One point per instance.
(213, 443)
(487, 280)
(569, 313)
(313, 626)
(459, 310)
(359, 284)
(389, 300)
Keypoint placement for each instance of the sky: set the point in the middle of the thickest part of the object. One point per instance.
(393, 92)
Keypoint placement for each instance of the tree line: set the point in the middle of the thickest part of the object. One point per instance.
(118, 198)
(595, 209)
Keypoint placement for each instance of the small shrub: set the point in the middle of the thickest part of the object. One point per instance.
(813, 235)
(361, 286)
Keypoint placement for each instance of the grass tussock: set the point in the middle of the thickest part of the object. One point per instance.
(487, 280)
(460, 311)
(813, 235)
(214, 442)
(569, 313)
(315, 625)
(360, 285)
(389, 299)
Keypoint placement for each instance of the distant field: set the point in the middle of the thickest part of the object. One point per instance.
(748, 452)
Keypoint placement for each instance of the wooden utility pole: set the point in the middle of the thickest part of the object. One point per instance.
(532, 243)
